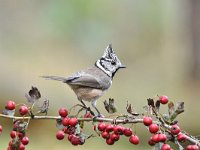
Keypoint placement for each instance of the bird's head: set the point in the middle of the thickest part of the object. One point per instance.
(109, 62)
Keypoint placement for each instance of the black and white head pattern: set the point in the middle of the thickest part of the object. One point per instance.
(109, 62)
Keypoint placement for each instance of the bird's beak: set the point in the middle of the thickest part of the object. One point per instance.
(122, 66)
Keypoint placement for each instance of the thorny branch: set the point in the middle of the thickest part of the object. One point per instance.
(164, 121)
(98, 119)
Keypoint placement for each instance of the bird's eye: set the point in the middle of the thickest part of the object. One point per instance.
(113, 63)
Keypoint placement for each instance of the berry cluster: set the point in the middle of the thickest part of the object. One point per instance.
(112, 133)
(159, 137)
(69, 128)
(72, 127)
(19, 140)
(23, 110)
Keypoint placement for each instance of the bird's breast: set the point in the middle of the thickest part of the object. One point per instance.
(87, 94)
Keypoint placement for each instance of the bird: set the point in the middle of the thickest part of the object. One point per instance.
(91, 83)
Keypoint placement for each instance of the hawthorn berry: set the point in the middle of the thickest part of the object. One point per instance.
(128, 132)
(65, 121)
(105, 135)
(60, 135)
(181, 138)
(195, 147)
(109, 141)
(151, 143)
(175, 129)
(147, 121)
(9, 148)
(163, 99)
(88, 115)
(20, 135)
(23, 110)
(101, 126)
(134, 139)
(162, 137)
(1, 129)
(13, 134)
(154, 138)
(165, 147)
(153, 128)
(63, 112)
(73, 121)
(192, 147)
(109, 128)
(69, 137)
(115, 137)
(21, 147)
(10, 143)
(25, 140)
(10, 105)
(75, 140)
(118, 129)
(189, 147)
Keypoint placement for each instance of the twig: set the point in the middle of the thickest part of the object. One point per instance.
(117, 121)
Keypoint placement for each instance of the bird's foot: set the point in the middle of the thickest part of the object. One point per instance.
(89, 110)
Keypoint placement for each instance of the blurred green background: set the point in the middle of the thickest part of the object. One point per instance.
(158, 41)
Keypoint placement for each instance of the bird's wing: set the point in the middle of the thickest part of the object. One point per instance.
(57, 78)
(83, 79)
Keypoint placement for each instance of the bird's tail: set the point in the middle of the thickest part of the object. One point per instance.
(55, 78)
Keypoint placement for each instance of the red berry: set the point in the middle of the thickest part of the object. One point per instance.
(151, 143)
(128, 132)
(9, 148)
(75, 140)
(147, 121)
(105, 135)
(153, 128)
(101, 126)
(13, 134)
(118, 129)
(73, 122)
(109, 128)
(65, 121)
(181, 138)
(23, 110)
(10, 105)
(70, 136)
(154, 138)
(109, 141)
(192, 147)
(21, 147)
(165, 147)
(1, 128)
(10, 143)
(189, 147)
(134, 139)
(20, 135)
(175, 129)
(63, 112)
(115, 137)
(88, 115)
(163, 99)
(195, 147)
(60, 135)
(162, 137)
(25, 140)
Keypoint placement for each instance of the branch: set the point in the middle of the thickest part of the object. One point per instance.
(110, 120)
